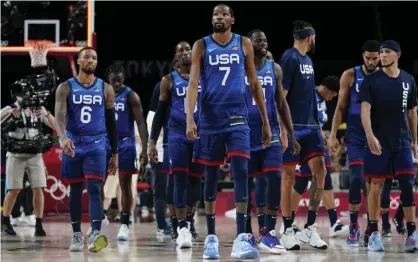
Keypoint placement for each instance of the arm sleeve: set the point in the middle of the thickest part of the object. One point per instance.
(159, 119)
(288, 66)
(365, 94)
(412, 99)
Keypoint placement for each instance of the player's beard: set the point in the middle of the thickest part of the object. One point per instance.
(88, 71)
(220, 29)
(370, 70)
(388, 65)
(259, 53)
(312, 47)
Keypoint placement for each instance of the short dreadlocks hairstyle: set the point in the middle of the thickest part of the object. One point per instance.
(331, 82)
(115, 68)
(250, 34)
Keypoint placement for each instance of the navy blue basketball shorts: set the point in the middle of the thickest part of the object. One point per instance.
(265, 160)
(311, 143)
(180, 151)
(128, 164)
(210, 149)
(388, 164)
(166, 162)
(304, 172)
(89, 161)
(355, 153)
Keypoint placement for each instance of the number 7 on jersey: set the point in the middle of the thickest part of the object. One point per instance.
(227, 70)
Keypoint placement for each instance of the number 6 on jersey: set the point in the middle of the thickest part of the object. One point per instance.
(85, 116)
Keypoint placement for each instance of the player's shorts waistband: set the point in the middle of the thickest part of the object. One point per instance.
(85, 138)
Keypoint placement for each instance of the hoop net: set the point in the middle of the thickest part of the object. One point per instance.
(38, 52)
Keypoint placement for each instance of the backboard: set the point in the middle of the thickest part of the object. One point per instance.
(69, 24)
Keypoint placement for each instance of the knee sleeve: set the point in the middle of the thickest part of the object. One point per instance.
(406, 187)
(274, 190)
(170, 190)
(211, 183)
(193, 190)
(356, 182)
(250, 203)
(180, 189)
(94, 188)
(301, 183)
(328, 181)
(159, 183)
(261, 191)
(385, 195)
(239, 168)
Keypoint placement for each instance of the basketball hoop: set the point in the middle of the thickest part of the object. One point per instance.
(38, 52)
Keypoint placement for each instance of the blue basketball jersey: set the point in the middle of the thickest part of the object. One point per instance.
(223, 105)
(86, 109)
(390, 99)
(124, 118)
(177, 116)
(322, 109)
(299, 80)
(266, 76)
(355, 131)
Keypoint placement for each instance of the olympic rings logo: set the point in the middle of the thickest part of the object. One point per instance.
(58, 190)
(394, 202)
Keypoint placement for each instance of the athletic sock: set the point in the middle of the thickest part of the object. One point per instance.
(124, 218)
(410, 226)
(287, 222)
(210, 224)
(385, 220)
(182, 223)
(332, 214)
(373, 226)
(353, 217)
(311, 218)
(261, 221)
(270, 222)
(241, 221)
(248, 226)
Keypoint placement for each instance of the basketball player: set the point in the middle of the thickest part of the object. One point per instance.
(325, 92)
(166, 164)
(128, 112)
(186, 174)
(221, 60)
(299, 89)
(389, 117)
(266, 163)
(350, 83)
(85, 115)
(159, 178)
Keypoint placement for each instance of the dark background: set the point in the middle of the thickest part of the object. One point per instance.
(147, 32)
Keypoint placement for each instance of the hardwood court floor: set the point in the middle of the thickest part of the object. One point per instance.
(144, 246)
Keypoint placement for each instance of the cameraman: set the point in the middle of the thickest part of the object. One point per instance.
(18, 163)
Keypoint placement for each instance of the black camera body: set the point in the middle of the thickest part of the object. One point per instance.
(32, 92)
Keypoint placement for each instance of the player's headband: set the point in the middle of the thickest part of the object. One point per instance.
(391, 45)
(302, 34)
